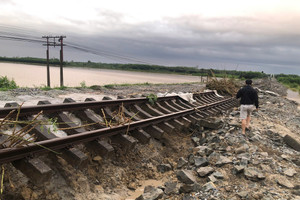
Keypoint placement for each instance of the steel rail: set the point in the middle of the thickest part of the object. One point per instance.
(52, 108)
(15, 153)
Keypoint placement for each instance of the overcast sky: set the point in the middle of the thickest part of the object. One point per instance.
(257, 35)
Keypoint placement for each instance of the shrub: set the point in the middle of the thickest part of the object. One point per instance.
(5, 83)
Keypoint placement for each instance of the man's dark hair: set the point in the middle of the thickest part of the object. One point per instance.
(248, 82)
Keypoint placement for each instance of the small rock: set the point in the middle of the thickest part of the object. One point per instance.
(218, 175)
(188, 197)
(285, 157)
(238, 169)
(213, 157)
(203, 150)
(188, 188)
(164, 168)
(244, 161)
(255, 138)
(171, 188)
(212, 179)
(181, 163)
(186, 176)
(283, 181)
(264, 154)
(258, 195)
(245, 155)
(223, 160)
(151, 193)
(200, 161)
(211, 123)
(209, 186)
(290, 172)
(296, 192)
(243, 194)
(195, 140)
(266, 168)
(132, 186)
(191, 159)
(204, 171)
(228, 149)
(253, 174)
(242, 149)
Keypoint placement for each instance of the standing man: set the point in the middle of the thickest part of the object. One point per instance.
(249, 98)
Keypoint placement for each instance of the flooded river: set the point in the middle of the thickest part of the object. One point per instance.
(34, 75)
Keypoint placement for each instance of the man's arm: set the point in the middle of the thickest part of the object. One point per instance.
(256, 99)
(239, 93)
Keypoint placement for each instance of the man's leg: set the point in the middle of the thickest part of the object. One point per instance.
(248, 119)
(244, 126)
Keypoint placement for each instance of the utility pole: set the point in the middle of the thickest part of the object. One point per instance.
(61, 61)
(47, 54)
(60, 39)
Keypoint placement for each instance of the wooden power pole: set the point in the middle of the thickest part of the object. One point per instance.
(60, 39)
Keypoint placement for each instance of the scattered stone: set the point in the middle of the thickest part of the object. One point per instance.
(223, 160)
(296, 192)
(255, 138)
(164, 168)
(241, 149)
(244, 161)
(290, 172)
(132, 186)
(211, 123)
(264, 154)
(186, 176)
(200, 161)
(181, 163)
(171, 188)
(188, 188)
(209, 186)
(203, 150)
(283, 181)
(238, 169)
(204, 171)
(218, 175)
(195, 140)
(151, 193)
(243, 194)
(191, 159)
(253, 174)
(188, 197)
(213, 157)
(212, 179)
(266, 168)
(285, 157)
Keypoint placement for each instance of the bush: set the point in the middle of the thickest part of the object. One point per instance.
(5, 83)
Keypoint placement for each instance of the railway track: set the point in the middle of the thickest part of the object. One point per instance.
(124, 121)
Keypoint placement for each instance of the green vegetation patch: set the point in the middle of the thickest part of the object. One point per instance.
(290, 80)
(6, 84)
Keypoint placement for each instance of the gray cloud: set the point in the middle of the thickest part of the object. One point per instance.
(270, 44)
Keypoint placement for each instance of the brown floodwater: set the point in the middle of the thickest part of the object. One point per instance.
(35, 76)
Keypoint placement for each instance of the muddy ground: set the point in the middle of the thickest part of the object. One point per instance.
(125, 175)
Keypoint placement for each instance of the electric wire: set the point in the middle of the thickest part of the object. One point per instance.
(22, 34)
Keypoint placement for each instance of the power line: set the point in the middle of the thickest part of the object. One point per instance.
(21, 34)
